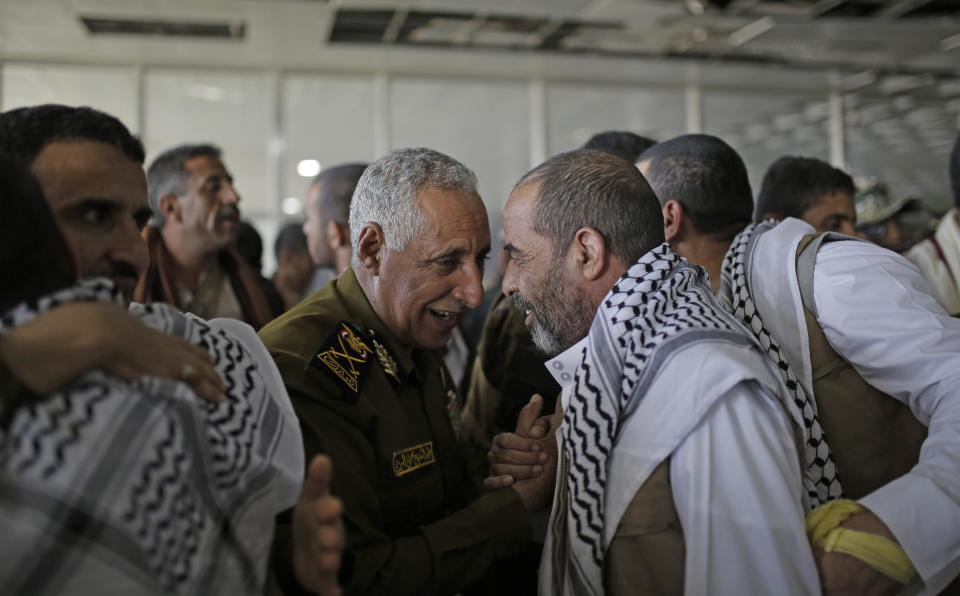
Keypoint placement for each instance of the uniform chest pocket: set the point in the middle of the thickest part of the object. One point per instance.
(411, 488)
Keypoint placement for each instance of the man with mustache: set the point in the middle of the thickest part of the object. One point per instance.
(362, 361)
(89, 169)
(193, 264)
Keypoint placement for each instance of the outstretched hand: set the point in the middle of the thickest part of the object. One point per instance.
(318, 534)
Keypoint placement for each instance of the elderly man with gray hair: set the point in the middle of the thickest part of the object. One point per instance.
(362, 361)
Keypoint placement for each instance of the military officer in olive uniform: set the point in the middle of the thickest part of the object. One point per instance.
(361, 359)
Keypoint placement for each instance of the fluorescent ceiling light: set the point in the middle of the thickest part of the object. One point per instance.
(308, 168)
(291, 205)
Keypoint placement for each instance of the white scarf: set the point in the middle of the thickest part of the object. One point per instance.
(140, 487)
(661, 300)
(820, 478)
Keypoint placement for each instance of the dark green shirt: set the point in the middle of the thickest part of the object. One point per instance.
(414, 522)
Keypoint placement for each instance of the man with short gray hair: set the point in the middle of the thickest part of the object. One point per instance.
(361, 360)
(193, 264)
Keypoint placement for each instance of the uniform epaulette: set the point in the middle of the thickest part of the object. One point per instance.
(387, 362)
(345, 356)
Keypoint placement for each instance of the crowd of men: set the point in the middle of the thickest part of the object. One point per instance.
(675, 390)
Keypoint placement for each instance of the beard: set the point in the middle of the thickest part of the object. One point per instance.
(561, 314)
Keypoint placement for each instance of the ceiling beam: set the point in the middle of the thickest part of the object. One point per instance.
(824, 6)
(899, 8)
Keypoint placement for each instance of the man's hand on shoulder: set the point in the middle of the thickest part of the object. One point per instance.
(318, 534)
(73, 339)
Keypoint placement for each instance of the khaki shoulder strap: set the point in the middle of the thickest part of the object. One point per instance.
(806, 261)
(874, 437)
(822, 354)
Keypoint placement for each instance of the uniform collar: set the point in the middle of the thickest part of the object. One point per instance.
(358, 304)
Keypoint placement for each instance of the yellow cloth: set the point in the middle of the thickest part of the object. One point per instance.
(878, 552)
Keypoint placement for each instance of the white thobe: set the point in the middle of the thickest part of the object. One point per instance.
(943, 273)
(736, 486)
(879, 313)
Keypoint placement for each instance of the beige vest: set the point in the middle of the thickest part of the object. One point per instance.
(874, 437)
(647, 553)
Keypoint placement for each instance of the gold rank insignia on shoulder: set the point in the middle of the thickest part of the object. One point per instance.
(413, 458)
(345, 356)
(386, 360)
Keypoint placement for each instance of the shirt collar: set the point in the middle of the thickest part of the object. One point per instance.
(564, 365)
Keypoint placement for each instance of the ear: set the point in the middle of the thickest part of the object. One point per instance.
(672, 220)
(169, 207)
(588, 251)
(370, 245)
(337, 235)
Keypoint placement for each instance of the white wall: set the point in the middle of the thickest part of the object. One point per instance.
(268, 119)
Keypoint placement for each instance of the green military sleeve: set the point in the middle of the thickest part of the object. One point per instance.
(442, 556)
(383, 414)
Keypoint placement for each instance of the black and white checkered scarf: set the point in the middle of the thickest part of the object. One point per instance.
(820, 479)
(109, 486)
(660, 298)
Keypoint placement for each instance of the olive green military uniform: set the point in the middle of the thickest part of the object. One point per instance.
(508, 370)
(382, 412)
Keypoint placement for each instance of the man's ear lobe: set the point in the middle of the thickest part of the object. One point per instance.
(169, 207)
(589, 252)
(370, 246)
(337, 235)
(673, 217)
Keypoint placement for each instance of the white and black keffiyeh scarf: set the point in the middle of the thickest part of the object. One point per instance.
(108, 486)
(820, 479)
(661, 298)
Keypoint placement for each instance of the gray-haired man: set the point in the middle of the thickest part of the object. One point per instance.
(361, 360)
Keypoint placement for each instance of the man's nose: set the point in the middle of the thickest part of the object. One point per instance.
(469, 289)
(130, 247)
(508, 285)
(229, 194)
